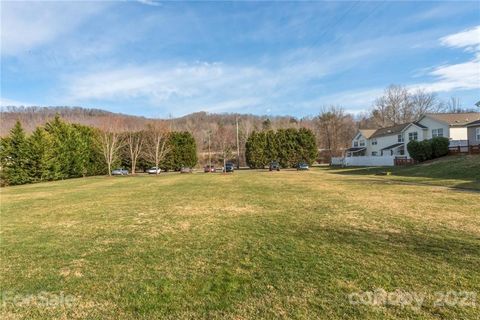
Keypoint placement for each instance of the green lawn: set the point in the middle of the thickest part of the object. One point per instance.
(461, 171)
(248, 245)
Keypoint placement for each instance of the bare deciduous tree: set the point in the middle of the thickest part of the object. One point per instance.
(135, 143)
(224, 142)
(334, 128)
(399, 105)
(425, 102)
(111, 140)
(157, 142)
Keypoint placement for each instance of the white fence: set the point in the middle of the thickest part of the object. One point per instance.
(461, 145)
(458, 143)
(365, 161)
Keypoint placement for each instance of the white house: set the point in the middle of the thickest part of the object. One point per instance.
(391, 142)
(450, 125)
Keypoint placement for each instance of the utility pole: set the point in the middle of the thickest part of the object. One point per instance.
(238, 146)
(209, 154)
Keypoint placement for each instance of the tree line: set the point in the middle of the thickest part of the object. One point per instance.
(62, 150)
(223, 137)
(287, 146)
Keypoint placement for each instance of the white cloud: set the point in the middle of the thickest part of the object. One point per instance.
(27, 25)
(218, 87)
(469, 38)
(459, 76)
(5, 102)
(150, 3)
(157, 82)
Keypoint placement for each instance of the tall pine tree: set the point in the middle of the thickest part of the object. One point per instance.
(15, 157)
(255, 150)
(41, 155)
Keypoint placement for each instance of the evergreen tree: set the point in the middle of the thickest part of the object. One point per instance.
(89, 159)
(307, 146)
(182, 151)
(287, 147)
(70, 147)
(15, 157)
(255, 150)
(271, 146)
(41, 156)
(61, 146)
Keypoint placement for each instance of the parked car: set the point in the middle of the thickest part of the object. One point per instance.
(120, 172)
(154, 170)
(186, 170)
(302, 166)
(229, 167)
(274, 165)
(209, 168)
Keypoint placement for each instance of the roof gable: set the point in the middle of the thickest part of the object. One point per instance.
(367, 133)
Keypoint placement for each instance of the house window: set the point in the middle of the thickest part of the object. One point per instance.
(374, 142)
(362, 143)
(374, 153)
(400, 138)
(355, 143)
(477, 133)
(412, 136)
(437, 133)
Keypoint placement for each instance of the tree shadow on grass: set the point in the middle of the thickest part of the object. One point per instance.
(456, 249)
(413, 175)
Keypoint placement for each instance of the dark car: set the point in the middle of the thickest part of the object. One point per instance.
(209, 168)
(302, 166)
(186, 170)
(274, 165)
(229, 167)
(120, 172)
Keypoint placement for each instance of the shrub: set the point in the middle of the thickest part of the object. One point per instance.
(428, 149)
(440, 146)
(415, 150)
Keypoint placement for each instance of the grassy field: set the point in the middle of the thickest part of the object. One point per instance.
(461, 171)
(252, 244)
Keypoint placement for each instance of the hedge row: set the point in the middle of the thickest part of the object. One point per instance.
(287, 146)
(428, 149)
(61, 150)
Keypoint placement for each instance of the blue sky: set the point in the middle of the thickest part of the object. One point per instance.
(169, 58)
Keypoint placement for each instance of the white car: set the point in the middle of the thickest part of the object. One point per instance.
(120, 172)
(154, 170)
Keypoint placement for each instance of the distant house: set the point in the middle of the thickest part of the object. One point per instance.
(360, 142)
(391, 142)
(473, 130)
(451, 125)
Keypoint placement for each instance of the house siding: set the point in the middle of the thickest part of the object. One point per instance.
(432, 124)
(382, 142)
(421, 134)
(472, 136)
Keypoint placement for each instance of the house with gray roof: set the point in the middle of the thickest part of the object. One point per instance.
(392, 141)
